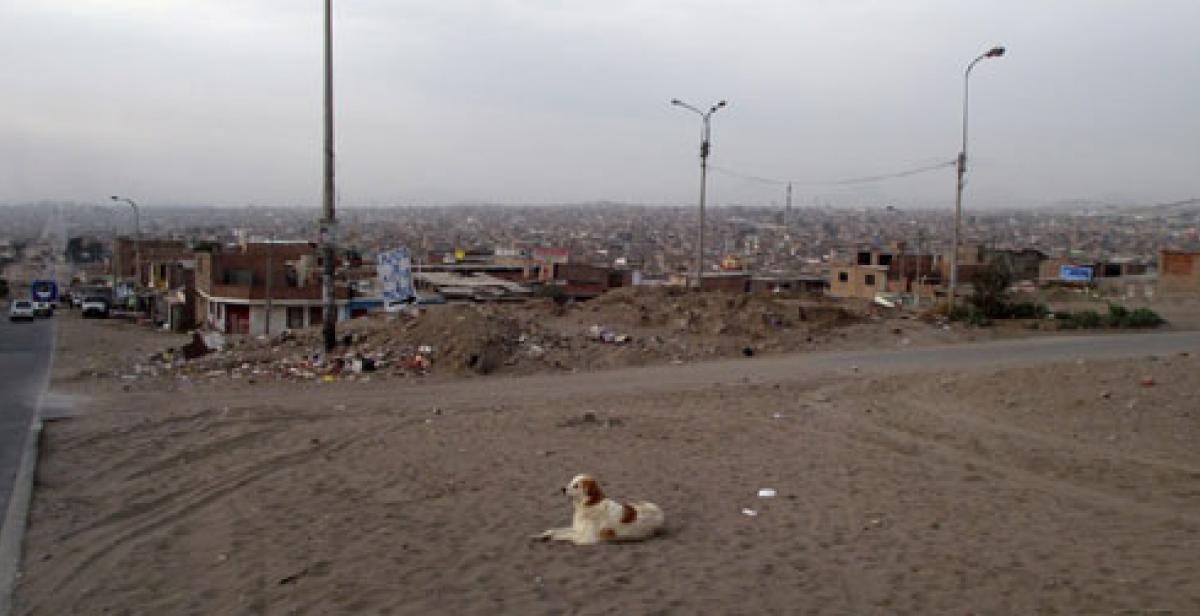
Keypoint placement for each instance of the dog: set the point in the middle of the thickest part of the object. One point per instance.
(599, 519)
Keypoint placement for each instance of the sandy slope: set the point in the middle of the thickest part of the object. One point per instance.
(1062, 488)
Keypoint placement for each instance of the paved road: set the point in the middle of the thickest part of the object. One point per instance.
(25, 350)
(777, 368)
(783, 368)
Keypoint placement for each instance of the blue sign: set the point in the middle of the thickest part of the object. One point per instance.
(1075, 273)
(394, 268)
(44, 290)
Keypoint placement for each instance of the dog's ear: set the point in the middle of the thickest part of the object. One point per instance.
(591, 490)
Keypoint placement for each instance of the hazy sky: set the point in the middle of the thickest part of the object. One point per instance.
(540, 101)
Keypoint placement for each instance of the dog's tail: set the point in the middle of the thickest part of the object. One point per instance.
(652, 515)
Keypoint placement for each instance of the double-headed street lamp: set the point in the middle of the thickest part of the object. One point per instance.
(994, 52)
(137, 240)
(704, 148)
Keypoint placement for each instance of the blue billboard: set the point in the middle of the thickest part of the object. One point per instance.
(1075, 273)
(394, 268)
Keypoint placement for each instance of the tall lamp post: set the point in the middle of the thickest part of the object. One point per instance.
(994, 52)
(137, 239)
(705, 137)
(328, 221)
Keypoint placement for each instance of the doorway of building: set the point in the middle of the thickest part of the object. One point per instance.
(237, 319)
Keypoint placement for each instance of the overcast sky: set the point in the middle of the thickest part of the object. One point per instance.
(544, 101)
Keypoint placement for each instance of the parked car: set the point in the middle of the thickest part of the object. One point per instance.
(43, 309)
(94, 306)
(20, 310)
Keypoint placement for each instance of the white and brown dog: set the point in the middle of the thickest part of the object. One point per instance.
(599, 519)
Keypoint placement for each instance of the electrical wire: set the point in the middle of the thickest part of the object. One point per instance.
(839, 182)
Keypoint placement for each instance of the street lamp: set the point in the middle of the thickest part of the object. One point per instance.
(704, 148)
(137, 239)
(994, 52)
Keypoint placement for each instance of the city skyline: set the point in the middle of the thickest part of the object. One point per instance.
(534, 102)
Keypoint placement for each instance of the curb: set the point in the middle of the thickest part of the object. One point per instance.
(16, 519)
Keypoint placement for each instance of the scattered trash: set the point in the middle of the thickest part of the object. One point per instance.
(606, 335)
(214, 340)
(766, 493)
(196, 348)
(1147, 381)
(746, 511)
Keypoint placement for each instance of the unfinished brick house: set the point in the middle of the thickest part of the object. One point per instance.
(235, 288)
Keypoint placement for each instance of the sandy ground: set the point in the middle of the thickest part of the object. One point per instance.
(1070, 488)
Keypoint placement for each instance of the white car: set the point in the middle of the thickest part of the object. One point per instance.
(20, 310)
(94, 306)
(43, 309)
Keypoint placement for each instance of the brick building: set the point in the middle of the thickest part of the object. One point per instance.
(125, 251)
(1178, 273)
(234, 289)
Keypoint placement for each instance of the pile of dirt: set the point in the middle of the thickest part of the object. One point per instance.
(718, 314)
(622, 328)
(454, 339)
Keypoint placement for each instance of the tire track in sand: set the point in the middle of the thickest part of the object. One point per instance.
(207, 495)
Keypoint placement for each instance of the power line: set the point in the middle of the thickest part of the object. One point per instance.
(839, 182)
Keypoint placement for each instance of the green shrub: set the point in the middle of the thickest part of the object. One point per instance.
(1144, 317)
(1118, 316)
(1027, 310)
(1065, 320)
(1084, 319)
(1088, 319)
(970, 315)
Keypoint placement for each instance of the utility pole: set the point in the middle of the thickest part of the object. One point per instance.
(328, 219)
(705, 146)
(270, 280)
(787, 213)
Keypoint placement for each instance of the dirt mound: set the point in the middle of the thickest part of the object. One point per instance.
(718, 314)
(626, 327)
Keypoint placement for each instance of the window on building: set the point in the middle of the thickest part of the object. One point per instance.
(869, 279)
(864, 258)
(885, 259)
(843, 277)
(295, 317)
